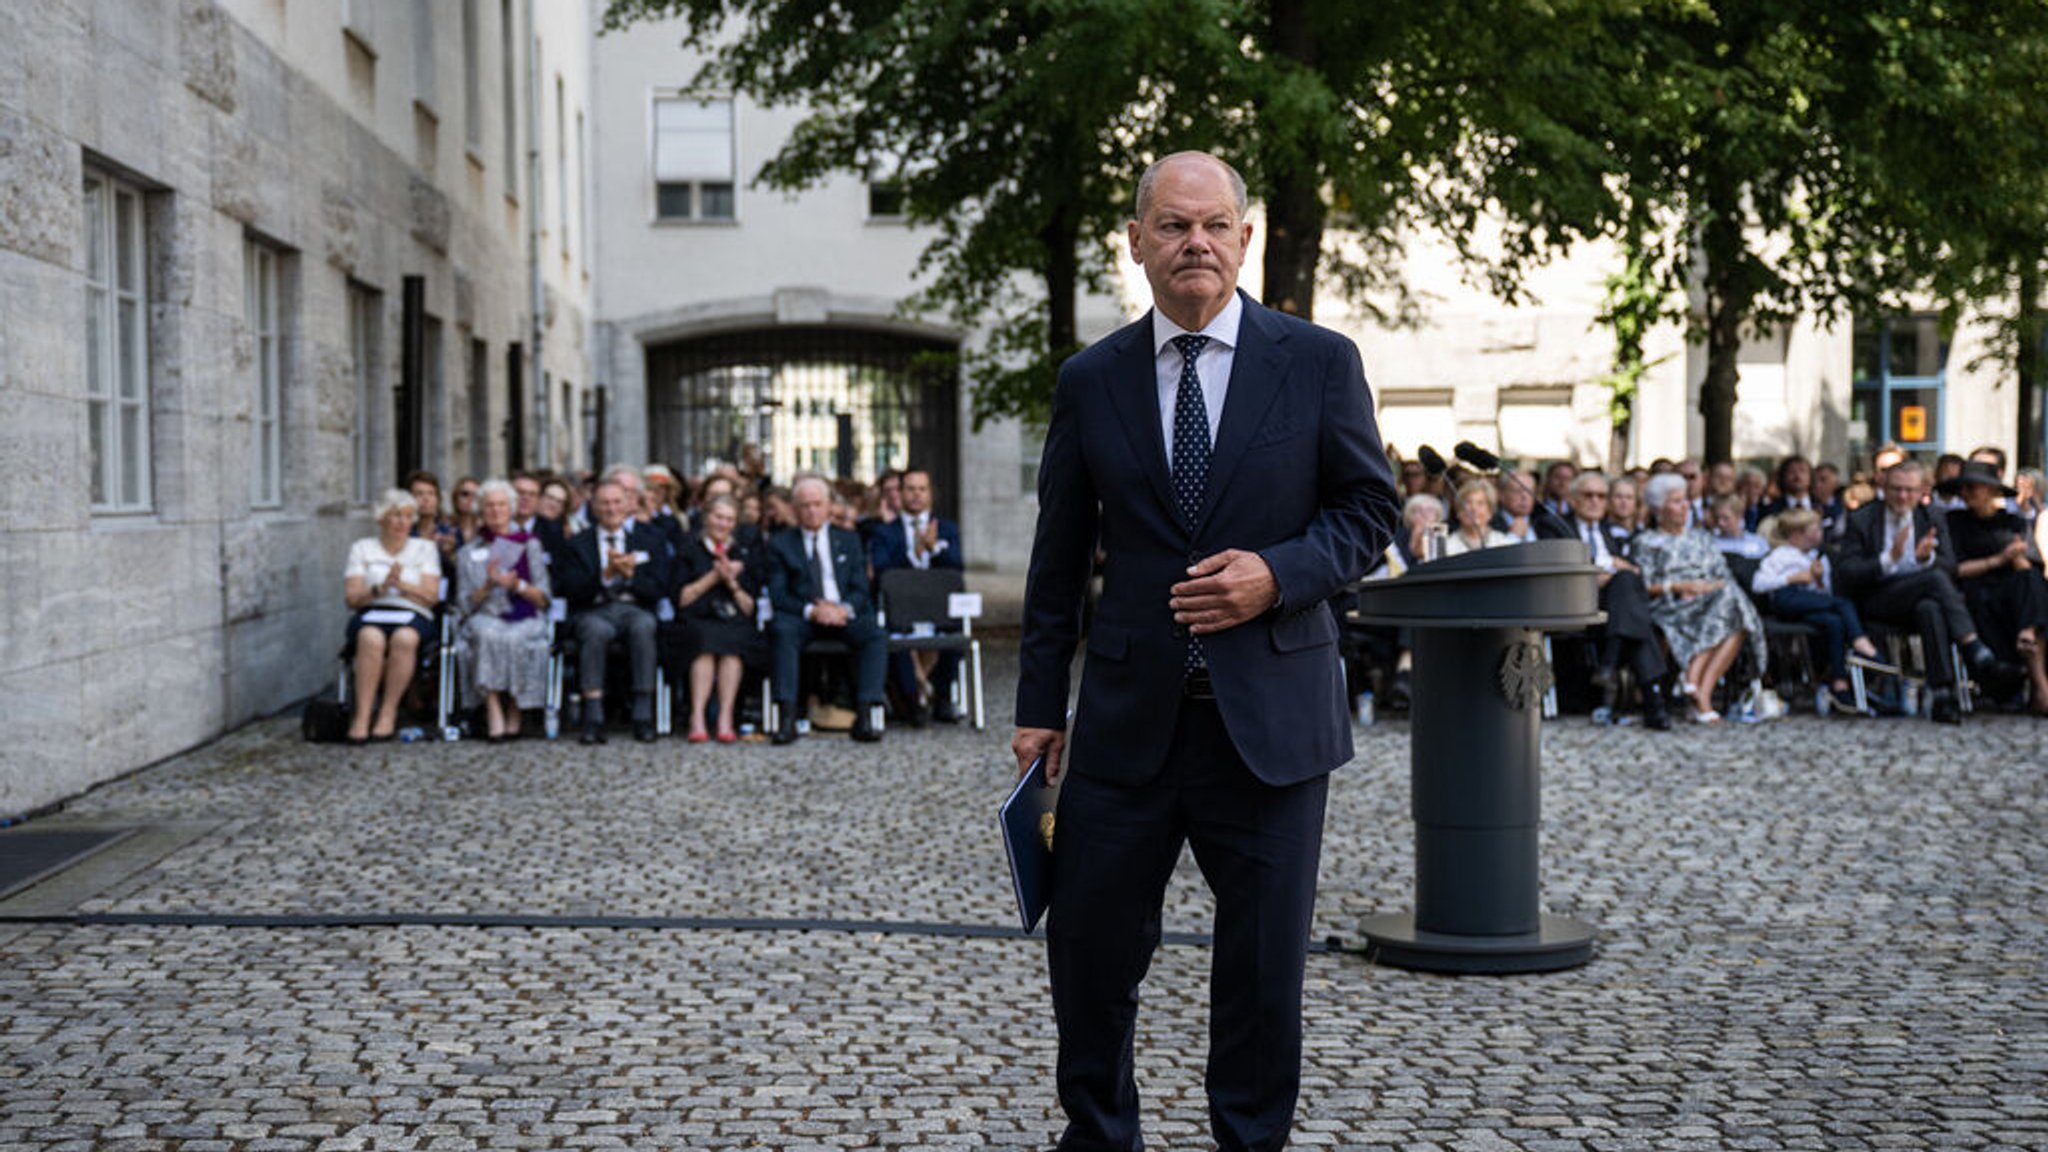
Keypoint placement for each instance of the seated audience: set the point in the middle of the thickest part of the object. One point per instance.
(1796, 582)
(1826, 494)
(1476, 519)
(1419, 513)
(1516, 504)
(1947, 467)
(391, 583)
(1414, 479)
(432, 524)
(1557, 490)
(918, 537)
(1704, 617)
(1727, 517)
(1795, 489)
(1753, 486)
(1999, 572)
(884, 504)
(1627, 635)
(1625, 505)
(1897, 562)
(503, 575)
(467, 521)
(613, 576)
(719, 576)
(526, 486)
(818, 582)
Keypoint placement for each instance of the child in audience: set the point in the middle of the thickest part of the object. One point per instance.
(1796, 582)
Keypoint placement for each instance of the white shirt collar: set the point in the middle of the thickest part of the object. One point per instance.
(1222, 329)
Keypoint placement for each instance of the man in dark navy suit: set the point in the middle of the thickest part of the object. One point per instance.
(1628, 634)
(919, 538)
(1226, 459)
(818, 582)
(613, 577)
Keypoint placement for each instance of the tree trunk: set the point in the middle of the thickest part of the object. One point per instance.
(2028, 361)
(1729, 294)
(1294, 209)
(1062, 277)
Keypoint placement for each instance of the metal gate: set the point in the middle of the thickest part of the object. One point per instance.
(846, 403)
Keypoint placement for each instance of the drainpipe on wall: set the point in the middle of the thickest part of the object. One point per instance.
(538, 360)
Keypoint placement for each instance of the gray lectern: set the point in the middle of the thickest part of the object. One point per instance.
(1475, 764)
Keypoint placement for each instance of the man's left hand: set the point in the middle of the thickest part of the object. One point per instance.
(1223, 591)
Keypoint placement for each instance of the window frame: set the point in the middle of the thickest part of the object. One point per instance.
(116, 284)
(263, 312)
(696, 190)
(365, 316)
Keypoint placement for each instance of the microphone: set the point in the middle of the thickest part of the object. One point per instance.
(1486, 461)
(1477, 457)
(1432, 461)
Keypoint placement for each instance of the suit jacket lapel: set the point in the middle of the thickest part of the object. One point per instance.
(1134, 394)
(1256, 372)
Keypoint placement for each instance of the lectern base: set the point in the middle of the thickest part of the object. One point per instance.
(1561, 943)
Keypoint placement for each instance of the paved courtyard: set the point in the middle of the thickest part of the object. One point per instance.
(1816, 935)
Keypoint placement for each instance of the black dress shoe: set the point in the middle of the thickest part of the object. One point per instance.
(864, 729)
(1943, 709)
(643, 731)
(785, 732)
(920, 716)
(947, 714)
(592, 734)
(1655, 714)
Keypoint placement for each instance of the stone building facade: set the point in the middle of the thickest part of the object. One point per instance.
(210, 214)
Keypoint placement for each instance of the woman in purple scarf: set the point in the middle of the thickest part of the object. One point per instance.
(502, 585)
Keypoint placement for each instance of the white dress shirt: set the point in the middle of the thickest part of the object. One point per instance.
(1785, 562)
(1212, 365)
(1595, 536)
(1910, 561)
(913, 531)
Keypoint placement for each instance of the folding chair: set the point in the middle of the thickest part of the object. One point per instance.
(559, 676)
(915, 599)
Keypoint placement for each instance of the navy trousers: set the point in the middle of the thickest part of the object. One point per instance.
(1834, 617)
(1115, 846)
(788, 634)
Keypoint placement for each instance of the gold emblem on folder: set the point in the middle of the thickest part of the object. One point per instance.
(1045, 830)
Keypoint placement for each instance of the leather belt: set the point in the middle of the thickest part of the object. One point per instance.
(1197, 685)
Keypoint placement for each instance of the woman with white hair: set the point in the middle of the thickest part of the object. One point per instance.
(391, 582)
(1693, 600)
(503, 575)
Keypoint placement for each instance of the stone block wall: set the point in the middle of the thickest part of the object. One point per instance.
(128, 638)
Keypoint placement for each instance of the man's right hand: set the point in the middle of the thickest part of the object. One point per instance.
(1031, 743)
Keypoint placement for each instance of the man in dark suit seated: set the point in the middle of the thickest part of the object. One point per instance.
(1895, 561)
(1628, 634)
(613, 576)
(818, 582)
(920, 538)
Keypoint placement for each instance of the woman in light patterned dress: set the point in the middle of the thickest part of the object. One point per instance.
(502, 576)
(1694, 601)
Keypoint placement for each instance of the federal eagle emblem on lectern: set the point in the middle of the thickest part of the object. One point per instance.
(1045, 830)
(1524, 674)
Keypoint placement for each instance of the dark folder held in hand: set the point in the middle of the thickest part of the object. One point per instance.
(1027, 820)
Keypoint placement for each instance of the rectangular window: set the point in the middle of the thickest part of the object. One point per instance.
(117, 344)
(362, 344)
(508, 103)
(424, 82)
(266, 426)
(693, 158)
(472, 81)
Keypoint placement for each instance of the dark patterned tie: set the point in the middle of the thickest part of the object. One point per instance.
(1190, 453)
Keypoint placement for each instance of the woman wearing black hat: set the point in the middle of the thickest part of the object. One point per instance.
(2000, 573)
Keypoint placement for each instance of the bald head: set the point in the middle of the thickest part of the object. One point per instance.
(1150, 180)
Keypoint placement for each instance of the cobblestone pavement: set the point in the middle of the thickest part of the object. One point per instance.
(1817, 935)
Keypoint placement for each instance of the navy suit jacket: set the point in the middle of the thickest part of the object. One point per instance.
(1859, 555)
(1297, 474)
(890, 550)
(790, 587)
(580, 576)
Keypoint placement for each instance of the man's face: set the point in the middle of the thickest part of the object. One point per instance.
(1413, 477)
(1516, 498)
(1695, 480)
(1191, 240)
(1902, 489)
(813, 506)
(1721, 479)
(1557, 484)
(1589, 502)
(889, 493)
(917, 493)
(1798, 478)
(1728, 521)
(612, 505)
(529, 496)
(1826, 481)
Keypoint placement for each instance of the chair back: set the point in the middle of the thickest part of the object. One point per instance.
(1743, 569)
(918, 596)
